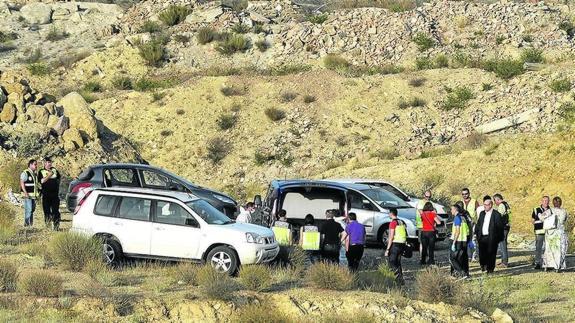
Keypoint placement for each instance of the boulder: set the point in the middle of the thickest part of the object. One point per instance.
(258, 18)
(51, 107)
(8, 113)
(37, 13)
(38, 114)
(60, 14)
(52, 121)
(81, 116)
(16, 87)
(3, 97)
(207, 16)
(18, 101)
(62, 125)
(499, 316)
(72, 139)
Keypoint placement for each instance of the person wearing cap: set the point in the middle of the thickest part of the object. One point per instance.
(49, 177)
(489, 232)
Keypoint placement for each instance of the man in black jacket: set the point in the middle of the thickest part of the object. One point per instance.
(489, 232)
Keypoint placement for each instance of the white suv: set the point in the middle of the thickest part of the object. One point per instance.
(144, 223)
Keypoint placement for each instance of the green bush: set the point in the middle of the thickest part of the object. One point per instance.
(325, 275)
(262, 45)
(568, 27)
(297, 259)
(561, 85)
(206, 35)
(39, 69)
(417, 82)
(309, 98)
(504, 68)
(146, 84)
(7, 217)
(233, 44)
(423, 41)
(239, 5)
(476, 140)
(122, 83)
(441, 61)
(41, 283)
(288, 96)
(413, 102)
(433, 286)
(9, 178)
(275, 114)
(567, 111)
(215, 285)
(256, 277)
(181, 38)
(259, 313)
(532, 55)
(55, 34)
(486, 86)
(6, 37)
(317, 19)
(152, 52)
(29, 144)
(217, 149)
(73, 250)
(381, 280)
(174, 15)
(185, 273)
(457, 99)
(233, 90)
(423, 63)
(8, 276)
(92, 86)
(150, 27)
(334, 62)
(240, 28)
(385, 153)
(226, 121)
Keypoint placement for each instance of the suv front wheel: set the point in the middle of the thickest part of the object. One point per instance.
(112, 251)
(223, 260)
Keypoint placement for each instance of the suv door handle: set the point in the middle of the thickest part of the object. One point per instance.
(118, 223)
(159, 229)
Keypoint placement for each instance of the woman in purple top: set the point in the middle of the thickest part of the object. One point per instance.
(355, 241)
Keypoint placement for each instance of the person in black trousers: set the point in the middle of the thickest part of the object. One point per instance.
(489, 232)
(355, 242)
(49, 177)
(395, 245)
(331, 232)
(429, 219)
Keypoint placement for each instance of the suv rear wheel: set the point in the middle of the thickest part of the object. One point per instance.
(383, 235)
(112, 251)
(223, 259)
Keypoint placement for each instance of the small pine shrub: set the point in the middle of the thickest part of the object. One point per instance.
(152, 52)
(39, 69)
(432, 285)
(262, 45)
(504, 68)
(233, 44)
(476, 140)
(8, 276)
(335, 62)
(457, 99)
(385, 154)
(73, 250)
(150, 27)
(185, 273)
(532, 55)
(324, 275)
(122, 83)
(240, 28)
(317, 19)
(92, 86)
(417, 82)
(174, 15)
(423, 41)
(256, 277)
(381, 280)
(41, 283)
(288, 96)
(227, 121)
(275, 114)
(309, 98)
(441, 61)
(55, 34)
(217, 149)
(259, 313)
(561, 85)
(414, 102)
(233, 90)
(486, 87)
(423, 63)
(206, 35)
(215, 285)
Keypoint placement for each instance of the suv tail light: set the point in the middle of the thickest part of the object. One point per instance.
(82, 200)
(81, 186)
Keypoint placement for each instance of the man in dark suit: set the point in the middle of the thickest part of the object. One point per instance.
(489, 232)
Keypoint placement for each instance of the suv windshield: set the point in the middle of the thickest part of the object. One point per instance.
(385, 198)
(208, 213)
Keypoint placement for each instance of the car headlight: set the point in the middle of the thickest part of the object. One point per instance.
(254, 238)
(224, 199)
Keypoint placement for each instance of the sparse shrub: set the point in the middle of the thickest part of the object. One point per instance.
(457, 99)
(477, 297)
(423, 63)
(152, 52)
(417, 82)
(147, 84)
(297, 259)
(123, 304)
(256, 277)
(288, 69)
(434, 286)
(92, 86)
(461, 59)
(486, 86)
(309, 98)
(206, 35)
(166, 133)
(185, 273)
(262, 157)
(423, 41)
(174, 15)
(334, 62)
(214, 284)
(240, 28)
(476, 140)
(226, 121)
(325, 275)
(461, 21)
(441, 61)
(29, 144)
(275, 114)
(239, 5)
(150, 27)
(8, 276)
(528, 38)
(504, 68)
(568, 27)
(262, 45)
(391, 5)
(399, 5)
(259, 313)
(258, 28)
(157, 96)
(55, 34)
(455, 186)
(180, 112)
(385, 153)
(6, 37)
(413, 102)
(233, 44)
(73, 250)
(32, 56)
(39, 69)
(182, 38)
(7, 216)
(288, 96)
(233, 90)
(317, 19)
(8, 180)
(490, 149)
(218, 148)
(567, 111)
(560, 85)
(122, 83)
(381, 280)
(41, 283)
(532, 55)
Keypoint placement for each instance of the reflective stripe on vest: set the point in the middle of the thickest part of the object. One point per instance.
(400, 235)
(310, 238)
(463, 231)
(44, 172)
(282, 235)
(419, 209)
(470, 208)
(31, 184)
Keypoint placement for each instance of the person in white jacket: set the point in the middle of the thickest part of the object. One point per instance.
(245, 215)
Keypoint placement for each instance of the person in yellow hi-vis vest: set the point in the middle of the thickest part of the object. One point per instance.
(396, 243)
(30, 191)
(459, 239)
(539, 231)
(309, 239)
(283, 234)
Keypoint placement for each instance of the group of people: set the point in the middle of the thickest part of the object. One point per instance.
(41, 184)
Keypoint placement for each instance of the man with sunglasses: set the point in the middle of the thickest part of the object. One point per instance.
(471, 205)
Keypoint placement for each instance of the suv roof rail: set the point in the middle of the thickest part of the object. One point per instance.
(161, 193)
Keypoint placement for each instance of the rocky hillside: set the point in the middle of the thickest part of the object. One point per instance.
(232, 94)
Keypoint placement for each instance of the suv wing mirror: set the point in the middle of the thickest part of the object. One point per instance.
(258, 200)
(191, 222)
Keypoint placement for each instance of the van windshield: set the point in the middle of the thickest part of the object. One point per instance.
(385, 198)
(208, 213)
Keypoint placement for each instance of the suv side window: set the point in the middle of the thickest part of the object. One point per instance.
(135, 208)
(356, 201)
(105, 205)
(172, 213)
(120, 177)
(154, 179)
